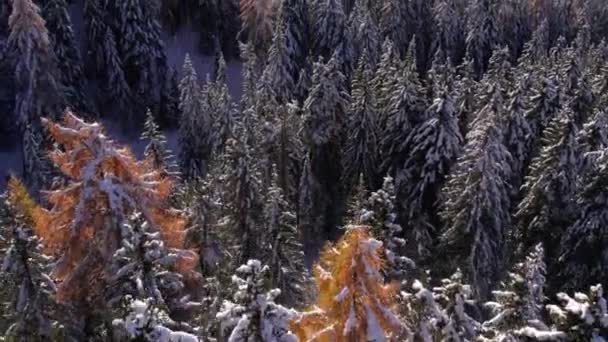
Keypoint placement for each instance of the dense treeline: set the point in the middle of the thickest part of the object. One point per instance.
(456, 150)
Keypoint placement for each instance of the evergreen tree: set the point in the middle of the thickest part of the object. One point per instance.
(433, 147)
(256, 17)
(67, 53)
(482, 33)
(156, 150)
(295, 15)
(280, 68)
(591, 138)
(406, 110)
(581, 253)
(27, 289)
(286, 256)
(96, 28)
(195, 129)
(36, 84)
(169, 101)
(353, 302)
(583, 317)
(329, 23)
(324, 115)
(515, 28)
(254, 316)
(379, 213)
(141, 51)
(546, 208)
(517, 312)
(364, 34)
(449, 29)
(477, 204)
(394, 24)
(386, 81)
(114, 82)
(361, 148)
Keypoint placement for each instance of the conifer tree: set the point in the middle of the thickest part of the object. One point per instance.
(169, 101)
(195, 129)
(105, 186)
(329, 21)
(324, 115)
(96, 27)
(517, 312)
(353, 302)
(386, 81)
(482, 33)
(379, 213)
(114, 81)
(591, 138)
(477, 204)
(547, 208)
(286, 255)
(156, 149)
(364, 34)
(27, 290)
(449, 29)
(279, 70)
(295, 15)
(581, 259)
(394, 24)
(405, 110)
(254, 316)
(361, 148)
(67, 53)
(141, 50)
(433, 147)
(36, 84)
(256, 17)
(519, 135)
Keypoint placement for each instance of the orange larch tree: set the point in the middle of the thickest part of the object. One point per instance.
(106, 185)
(354, 303)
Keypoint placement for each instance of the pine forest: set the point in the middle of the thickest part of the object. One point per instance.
(303, 170)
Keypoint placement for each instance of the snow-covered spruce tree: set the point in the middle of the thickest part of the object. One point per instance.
(353, 302)
(591, 138)
(394, 24)
(156, 150)
(477, 203)
(329, 23)
(114, 80)
(278, 73)
(379, 213)
(36, 84)
(583, 317)
(146, 322)
(359, 156)
(287, 150)
(296, 18)
(95, 27)
(517, 312)
(465, 89)
(385, 81)
(324, 117)
(482, 33)
(449, 30)
(196, 127)
(364, 34)
(67, 53)
(26, 298)
(519, 135)
(442, 313)
(582, 258)
(515, 25)
(106, 184)
(221, 107)
(545, 103)
(285, 252)
(547, 207)
(254, 316)
(405, 110)
(250, 76)
(256, 18)
(433, 147)
(537, 48)
(242, 197)
(144, 268)
(142, 52)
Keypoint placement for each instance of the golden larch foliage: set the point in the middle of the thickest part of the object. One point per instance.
(106, 184)
(353, 303)
(20, 200)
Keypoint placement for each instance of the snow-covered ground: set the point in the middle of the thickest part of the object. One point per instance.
(185, 41)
